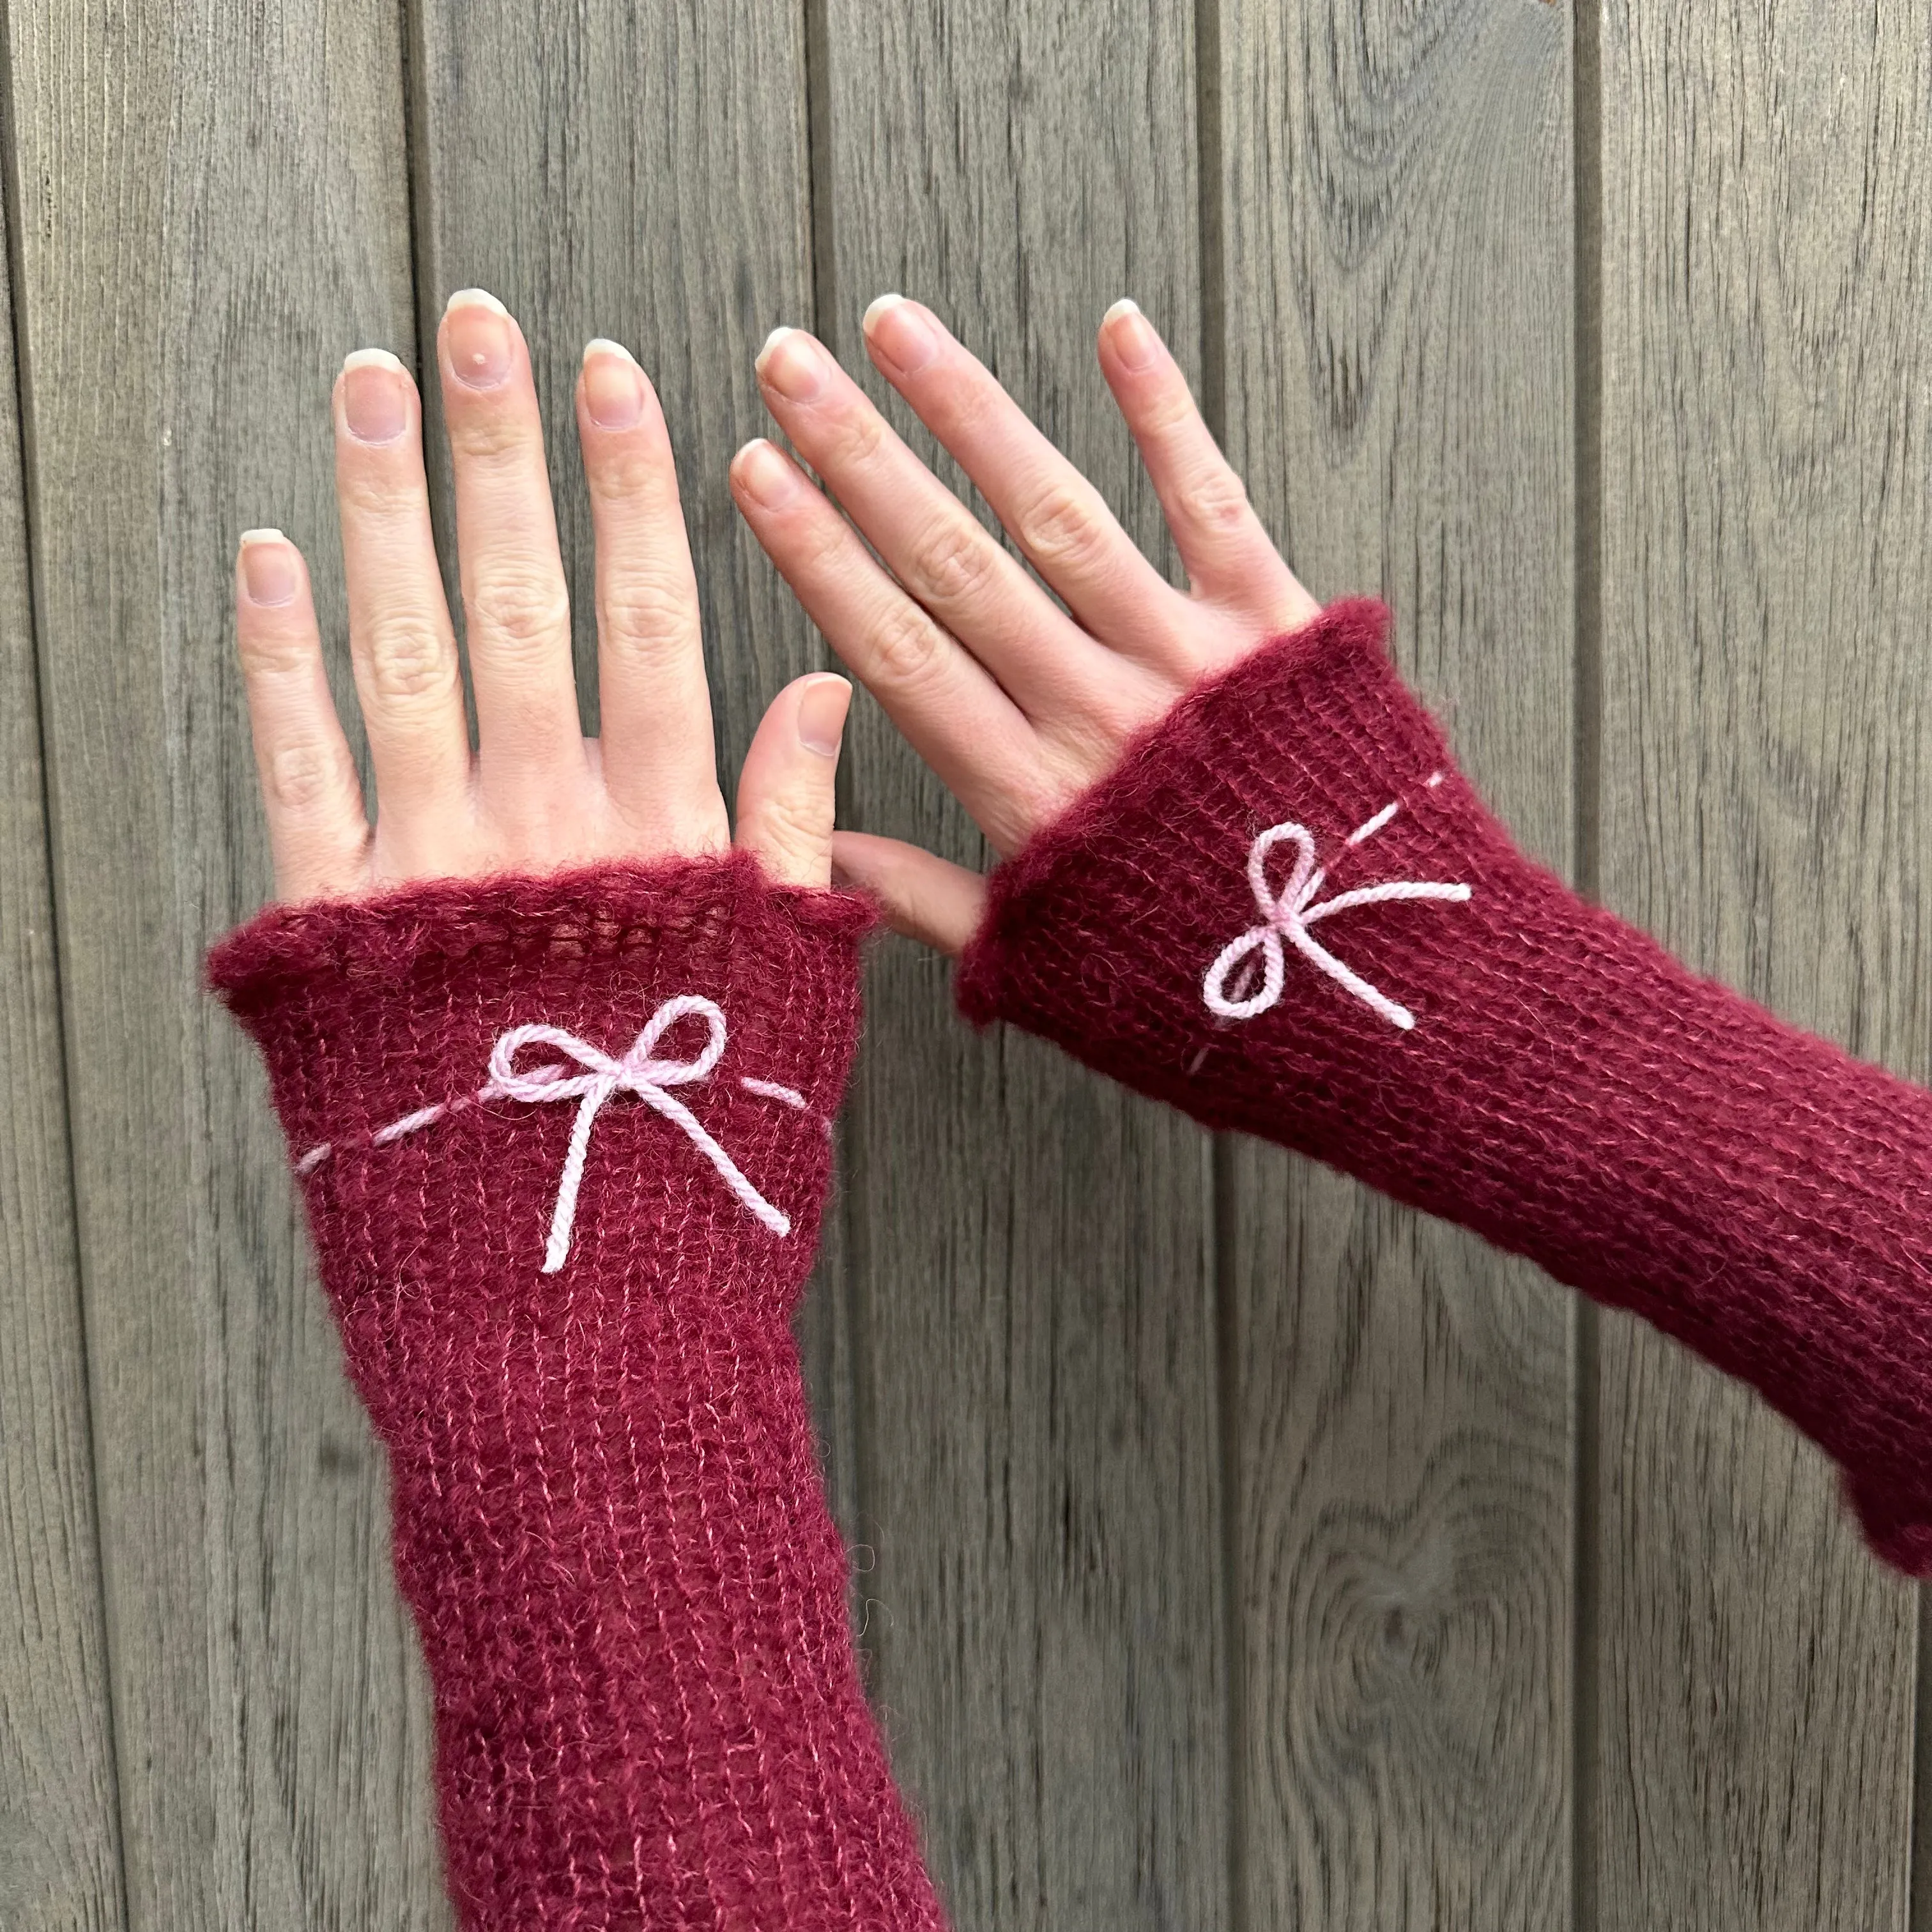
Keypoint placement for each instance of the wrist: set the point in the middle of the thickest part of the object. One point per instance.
(436, 1046)
(1292, 835)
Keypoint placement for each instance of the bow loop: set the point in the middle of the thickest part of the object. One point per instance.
(678, 1072)
(1288, 914)
(640, 1073)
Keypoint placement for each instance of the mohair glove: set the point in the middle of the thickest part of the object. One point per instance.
(564, 1143)
(1286, 913)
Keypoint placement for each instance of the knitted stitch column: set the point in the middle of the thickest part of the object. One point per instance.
(609, 1519)
(1287, 913)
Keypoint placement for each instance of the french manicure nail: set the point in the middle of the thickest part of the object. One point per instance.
(474, 298)
(614, 384)
(375, 396)
(764, 473)
(901, 333)
(822, 706)
(476, 329)
(1134, 342)
(268, 567)
(793, 363)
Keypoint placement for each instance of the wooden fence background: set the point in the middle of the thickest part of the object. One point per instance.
(1242, 1553)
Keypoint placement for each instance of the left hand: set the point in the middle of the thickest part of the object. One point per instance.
(1017, 705)
(535, 794)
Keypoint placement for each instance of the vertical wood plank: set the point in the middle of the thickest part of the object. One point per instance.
(60, 1852)
(641, 174)
(1399, 346)
(1767, 806)
(1029, 1247)
(213, 210)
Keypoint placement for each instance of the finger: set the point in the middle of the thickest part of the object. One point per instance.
(655, 705)
(516, 605)
(925, 897)
(400, 640)
(952, 713)
(317, 830)
(1055, 515)
(1228, 555)
(785, 792)
(936, 547)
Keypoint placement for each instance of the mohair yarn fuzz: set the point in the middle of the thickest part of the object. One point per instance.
(609, 1519)
(1562, 1086)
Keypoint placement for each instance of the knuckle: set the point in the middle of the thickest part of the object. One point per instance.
(828, 546)
(798, 820)
(856, 438)
(906, 643)
(270, 651)
(377, 492)
(299, 777)
(408, 662)
(521, 609)
(1061, 530)
(635, 610)
(491, 435)
(1172, 410)
(1215, 500)
(632, 473)
(952, 559)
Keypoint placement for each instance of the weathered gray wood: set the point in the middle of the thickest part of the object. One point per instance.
(1397, 216)
(213, 211)
(1029, 1247)
(641, 174)
(1767, 252)
(60, 1853)
(638, 172)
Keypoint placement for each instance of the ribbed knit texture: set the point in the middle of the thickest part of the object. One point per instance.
(1566, 1090)
(609, 1519)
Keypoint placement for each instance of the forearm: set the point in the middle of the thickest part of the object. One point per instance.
(609, 1519)
(1492, 1049)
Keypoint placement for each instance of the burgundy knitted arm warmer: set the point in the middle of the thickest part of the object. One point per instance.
(564, 1144)
(1287, 913)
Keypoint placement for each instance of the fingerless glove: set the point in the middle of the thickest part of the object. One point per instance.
(1287, 913)
(564, 1144)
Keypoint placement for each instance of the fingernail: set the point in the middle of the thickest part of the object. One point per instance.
(375, 396)
(901, 333)
(793, 363)
(614, 384)
(268, 567)
(764, 473)
(1134, 342)
(476, 331)
(822, 706)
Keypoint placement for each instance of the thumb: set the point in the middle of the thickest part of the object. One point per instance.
(924, 896)
(785, 792)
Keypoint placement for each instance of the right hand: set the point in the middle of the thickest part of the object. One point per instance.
(1016, 704)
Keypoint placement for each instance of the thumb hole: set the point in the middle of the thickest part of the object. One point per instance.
(786, 795)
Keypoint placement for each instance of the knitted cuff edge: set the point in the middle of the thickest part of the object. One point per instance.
(583, 907)
(1352, 631)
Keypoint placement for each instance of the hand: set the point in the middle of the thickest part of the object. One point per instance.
(537, 794)
(1017, 705)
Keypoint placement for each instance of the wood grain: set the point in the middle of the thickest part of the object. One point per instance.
(1029, 1246)
(60, 1852)
(1767, 253)
(639, 173)
(213, 211)
(1396, 208)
